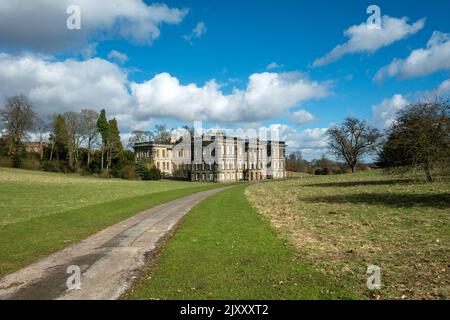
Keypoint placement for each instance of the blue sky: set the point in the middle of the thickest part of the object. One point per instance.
(241, 39)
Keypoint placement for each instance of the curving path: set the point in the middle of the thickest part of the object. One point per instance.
(109, 261)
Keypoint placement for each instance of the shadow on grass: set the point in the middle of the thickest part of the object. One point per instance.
(396, 200)
(360, 183)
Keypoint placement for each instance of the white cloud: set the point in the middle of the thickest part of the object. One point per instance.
(302, 117)
(312, 143)
(266, 95)
(55, 86)
(383, 114)
(421, 62)
(444, 88)
(89, 51)
(118, 56)
(274, 65)
(197, 32)
(365, 39)
(32, 24)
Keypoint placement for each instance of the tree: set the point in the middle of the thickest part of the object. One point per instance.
(41, 127)
(162, 135)
(295, 162)
(420, 137)
(147, 171)
(89, 130)
(59, 137)
(75, 136)
(103, 129)
(138, 136)
(115, 148)
(18, 119)
(352, 140)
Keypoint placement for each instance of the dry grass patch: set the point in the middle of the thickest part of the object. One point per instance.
(345, 223)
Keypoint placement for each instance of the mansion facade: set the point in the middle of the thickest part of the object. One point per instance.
(218, 159)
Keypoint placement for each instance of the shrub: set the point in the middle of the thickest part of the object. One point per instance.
(155, 173)
(50, 166)
(17, 160)
(318, 171)
(147, 171)
(31, 164)
(105, 174)
(5, 162)
(129, 173)
(84, 172)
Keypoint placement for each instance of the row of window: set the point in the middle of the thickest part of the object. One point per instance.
(229, 165)
(163, 152)
(164, 166)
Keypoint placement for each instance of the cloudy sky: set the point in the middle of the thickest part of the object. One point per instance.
(299, 66)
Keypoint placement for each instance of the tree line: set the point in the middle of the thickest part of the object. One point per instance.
(417, 141)
(86, 142)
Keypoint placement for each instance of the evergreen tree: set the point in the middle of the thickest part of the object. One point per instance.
(59, 137)
(115, 148)
(103, 128)
(147, 171)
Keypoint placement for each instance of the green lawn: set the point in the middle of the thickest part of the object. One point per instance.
(344, 223)
(225, 250)
(41, 213)
(27, 194)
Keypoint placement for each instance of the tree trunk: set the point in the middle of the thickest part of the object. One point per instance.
(51, 152)
(89, 154)
(41, 147)
(76, 159)
(426, 168)
(108, 156)
(103, 156)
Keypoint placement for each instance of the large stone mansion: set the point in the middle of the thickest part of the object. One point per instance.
(220, 159)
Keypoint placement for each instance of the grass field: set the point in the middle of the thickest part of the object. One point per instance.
(225, 250)
(41, 213)
(28, 194)
(344, 223)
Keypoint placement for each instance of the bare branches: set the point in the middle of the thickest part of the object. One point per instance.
(18, 118)
(352, 140)
(420, 137)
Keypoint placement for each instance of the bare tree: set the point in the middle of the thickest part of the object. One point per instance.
(41, 127)
(138, 136)
(18, 119)
(89, 130)
(75, 135)
(352, 140)
(162, 134)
